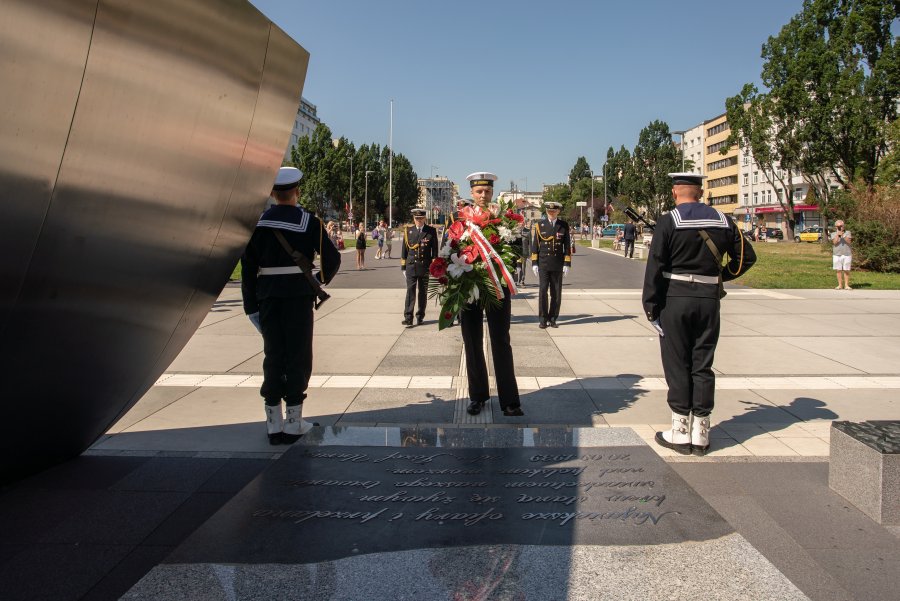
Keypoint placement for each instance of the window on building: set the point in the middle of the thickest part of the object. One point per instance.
(745, 179)
(778, 195)
(756, 198)
(798, 193)
(769, 196)
(746, 199)
(756, 177)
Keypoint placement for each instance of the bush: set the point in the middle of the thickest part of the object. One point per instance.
(873, 217)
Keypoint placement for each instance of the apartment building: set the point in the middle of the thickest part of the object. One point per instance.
(304, 124)
(722, 170)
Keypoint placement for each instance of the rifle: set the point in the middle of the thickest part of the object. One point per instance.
(306, 267)
(634, 216)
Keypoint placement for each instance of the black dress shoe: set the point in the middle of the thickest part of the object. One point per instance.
(553, 323)
(542, 325)
(420, 320)
(275, 439)
(475, 407)
(407, 322)
(513, 412)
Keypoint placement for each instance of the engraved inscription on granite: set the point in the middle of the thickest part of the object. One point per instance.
(322, 503)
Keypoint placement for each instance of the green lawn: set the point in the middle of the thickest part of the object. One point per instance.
(806, 265)
(778, 265)
(793, 265)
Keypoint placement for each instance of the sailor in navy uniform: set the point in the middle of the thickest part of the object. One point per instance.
(279, 301)
(681, 295)
(471, 321)
(551, 256)
(420, 247)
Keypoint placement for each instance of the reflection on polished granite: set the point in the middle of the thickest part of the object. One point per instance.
(467, 437)
(316, 525)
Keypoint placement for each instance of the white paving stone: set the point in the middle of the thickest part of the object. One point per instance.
(559, 383)
(346, 382)
(855, 382)
(388, 382)
(527, 383)
(318, 381)
(251, 382)
(186, 379)
(226, 380)
(433, 382)
(733, 383)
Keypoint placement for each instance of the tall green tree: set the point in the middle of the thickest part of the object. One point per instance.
(581, 170)
(310, 156)
(647, 183)
(833, 79)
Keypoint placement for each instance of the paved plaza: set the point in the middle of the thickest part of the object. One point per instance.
(157, 508)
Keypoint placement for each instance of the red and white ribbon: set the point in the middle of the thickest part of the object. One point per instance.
(487, 252)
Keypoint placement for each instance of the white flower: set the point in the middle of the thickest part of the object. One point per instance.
(506, 234)
(445, 251)
(465, 235)
(473, 294)
(458, 266)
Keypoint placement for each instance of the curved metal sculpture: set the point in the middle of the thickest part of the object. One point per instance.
(139, 141)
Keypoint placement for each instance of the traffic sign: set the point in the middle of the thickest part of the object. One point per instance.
(581, 204)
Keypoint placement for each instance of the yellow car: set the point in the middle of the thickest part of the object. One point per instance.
(813, 234)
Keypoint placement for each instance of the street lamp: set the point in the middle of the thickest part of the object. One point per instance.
(681, 133)
(366, 202)
(351, 186)
(591, 212)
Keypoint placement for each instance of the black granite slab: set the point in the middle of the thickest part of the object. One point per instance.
(324, 503)
(880, 435)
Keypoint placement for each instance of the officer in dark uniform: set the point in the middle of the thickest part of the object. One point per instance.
(472, 323)
(551, 256)
(681, 295)
(629, 233)
(420, 247)
(526, 252)
(279, 301)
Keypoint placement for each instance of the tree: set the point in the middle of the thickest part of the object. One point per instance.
(647, 183)
(581, 170)
(309, 155)
(771, 132)
(833, 80)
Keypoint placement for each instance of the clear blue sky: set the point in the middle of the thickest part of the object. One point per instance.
(522, 88)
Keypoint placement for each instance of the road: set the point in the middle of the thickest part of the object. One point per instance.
(590, 269)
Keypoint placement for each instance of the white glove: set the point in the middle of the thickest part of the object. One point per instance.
(565, 270)
(534, 268)
(403, 272)
(254, 319)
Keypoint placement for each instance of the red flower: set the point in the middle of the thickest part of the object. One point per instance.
(443, 280)
(438, 268)
(494, 239)
(510, 214)
(454, 244)
(470, 253)
(456, 230)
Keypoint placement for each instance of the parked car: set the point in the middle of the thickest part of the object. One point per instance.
(811, 234)
(773, 233)
(610, 230)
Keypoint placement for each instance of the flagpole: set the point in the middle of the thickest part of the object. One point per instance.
(391, 170)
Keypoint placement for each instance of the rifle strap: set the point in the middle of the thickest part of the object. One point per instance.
(302, 262)
(718, 256)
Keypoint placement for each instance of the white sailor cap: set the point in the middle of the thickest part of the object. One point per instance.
(287, 178)
(481, 178)
(419, 212)
(552, 204)
(687, 179)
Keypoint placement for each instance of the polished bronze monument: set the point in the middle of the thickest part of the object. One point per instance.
(139, 141)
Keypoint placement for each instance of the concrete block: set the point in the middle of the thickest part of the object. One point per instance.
(865, 467)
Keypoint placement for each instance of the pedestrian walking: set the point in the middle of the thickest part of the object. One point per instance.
(360, 246)
(388, 241)
(551, 257)
(629, 233)
(471, 322)
(841, 254)
(682, 288)
(420, 247)
(279, 299)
